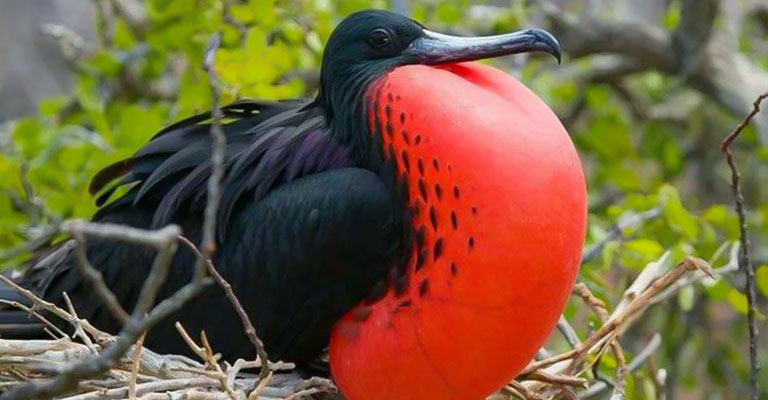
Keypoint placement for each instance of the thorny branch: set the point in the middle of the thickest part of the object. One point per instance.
(745, 263)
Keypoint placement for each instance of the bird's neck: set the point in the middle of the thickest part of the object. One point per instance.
(347, 107)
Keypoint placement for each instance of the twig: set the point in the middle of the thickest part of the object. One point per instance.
(100, 336)
(250, 331)
(254, 395)
(135, 364)
(96, 279)
(553, 379)
(36, 315)
(634, 307)
(70, 377)
(152, 238)
(150, 387)
(206, 354)
(226, 15)
(745, 263)
(79, 332)
(219, 141)
(598, 306)
(621, 318)
(730, 267)
(524, 392)
(644, 354)
(568, 332)
(209, 357)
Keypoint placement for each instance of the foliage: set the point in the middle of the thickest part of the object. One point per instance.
(647, 143)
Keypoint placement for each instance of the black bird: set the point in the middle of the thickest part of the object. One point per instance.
(314, 217)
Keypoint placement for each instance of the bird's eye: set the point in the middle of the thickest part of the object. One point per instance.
(379, 38)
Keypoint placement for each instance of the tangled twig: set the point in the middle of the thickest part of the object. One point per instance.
(568, 366)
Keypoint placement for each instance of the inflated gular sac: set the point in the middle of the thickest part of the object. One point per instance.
(499, 215)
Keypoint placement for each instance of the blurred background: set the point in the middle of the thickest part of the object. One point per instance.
(647, 90)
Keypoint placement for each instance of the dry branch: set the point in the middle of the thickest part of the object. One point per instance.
(745, 262)
(219, 141)
(142, 318)
(653, 280)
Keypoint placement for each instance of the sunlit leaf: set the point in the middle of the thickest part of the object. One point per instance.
(678, 217)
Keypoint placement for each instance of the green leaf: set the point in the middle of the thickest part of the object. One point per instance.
(686, 298)
(724, 218)
(761, 278)
(679, 219)
(26, 136)
(738, 301)
(639, 252)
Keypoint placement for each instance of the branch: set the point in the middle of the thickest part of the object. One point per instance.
(568, 332)
(723, 74)
(694, 31)
(97, 280)
(639, 359)
(250, 331)
(745, 263)
(165, 241)
(638, 297)
(214, 188)
(599, 308)
(53, 309)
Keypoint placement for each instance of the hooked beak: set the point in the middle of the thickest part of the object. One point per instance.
(437, 48)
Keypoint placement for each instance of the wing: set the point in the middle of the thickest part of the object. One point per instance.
(268, 143)
(299, 258)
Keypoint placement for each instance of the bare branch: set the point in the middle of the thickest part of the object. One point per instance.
(153, 238)
(136, 363)
(219, 141)
(250, 330)
(69, 378)
(568, 332)
(640, 358)
(37, 315)
(745, 262)
(96, 279)
(100, 336)
(693, 33)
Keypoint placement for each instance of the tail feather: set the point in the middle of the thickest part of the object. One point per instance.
(16, 323)
(44, 267)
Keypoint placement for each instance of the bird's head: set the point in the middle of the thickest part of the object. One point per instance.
(369, 43)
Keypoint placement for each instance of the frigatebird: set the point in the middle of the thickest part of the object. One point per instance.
(423, 216)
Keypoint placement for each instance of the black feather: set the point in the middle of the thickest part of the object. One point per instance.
(268, 143)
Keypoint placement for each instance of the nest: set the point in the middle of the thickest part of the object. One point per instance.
(93, 364)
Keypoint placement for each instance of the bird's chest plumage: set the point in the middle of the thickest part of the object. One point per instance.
(497, 203)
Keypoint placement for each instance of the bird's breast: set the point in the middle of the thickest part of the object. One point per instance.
(498, 205)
